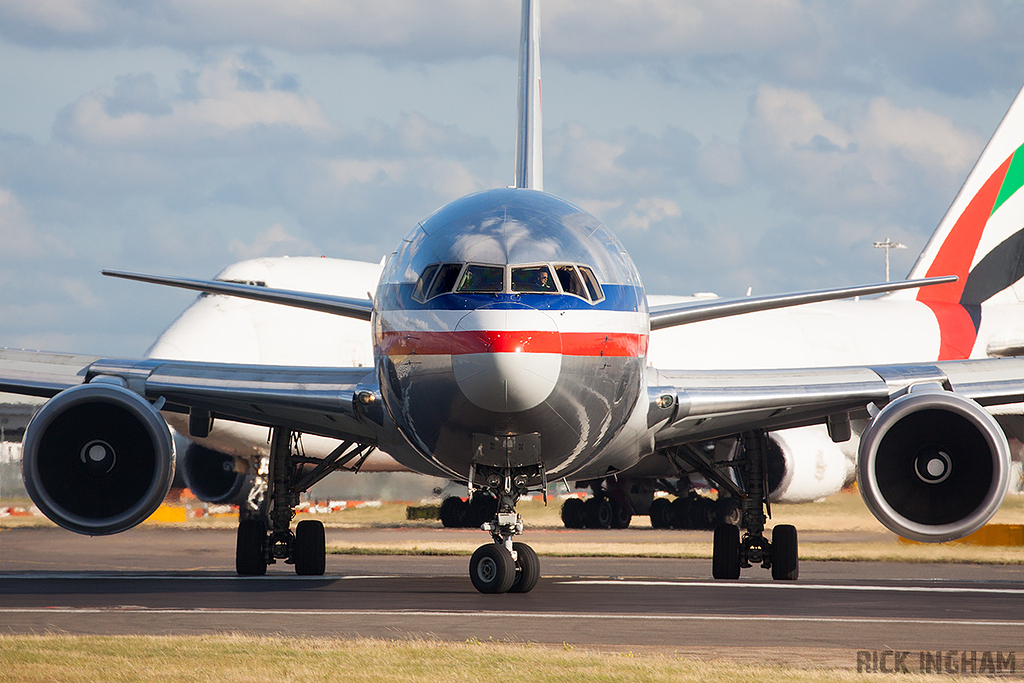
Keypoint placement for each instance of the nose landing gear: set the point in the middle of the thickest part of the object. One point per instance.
(504, 566)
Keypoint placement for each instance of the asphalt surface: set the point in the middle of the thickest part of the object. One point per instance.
(169, 581)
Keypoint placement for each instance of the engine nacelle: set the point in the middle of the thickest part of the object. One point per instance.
(98, 459)
(213, 477)
(933, 466)
(805, 465)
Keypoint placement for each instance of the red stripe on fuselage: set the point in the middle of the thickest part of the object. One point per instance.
(955, 258)
(617, 344)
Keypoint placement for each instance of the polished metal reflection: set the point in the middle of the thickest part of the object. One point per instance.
(511, 226)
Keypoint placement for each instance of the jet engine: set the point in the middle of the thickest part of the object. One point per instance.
(805, 465)
(98, 459)
(213, 477)
(933, 466)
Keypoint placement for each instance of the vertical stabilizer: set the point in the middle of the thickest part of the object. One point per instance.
(529, 151)
(980, 240)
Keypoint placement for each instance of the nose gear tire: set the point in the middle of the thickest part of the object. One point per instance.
(492, 569)
(527, 569)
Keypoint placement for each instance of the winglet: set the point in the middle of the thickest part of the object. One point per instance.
(529, 150)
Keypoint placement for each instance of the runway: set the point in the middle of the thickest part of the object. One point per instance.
(166, 581)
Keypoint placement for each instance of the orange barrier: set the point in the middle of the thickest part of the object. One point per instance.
(990, 534)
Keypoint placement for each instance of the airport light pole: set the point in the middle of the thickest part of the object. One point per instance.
(887, 245)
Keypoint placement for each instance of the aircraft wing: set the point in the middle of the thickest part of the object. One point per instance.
(341, 403)
(670, 315)
(698, 405)
(34, 373)
(360, 309)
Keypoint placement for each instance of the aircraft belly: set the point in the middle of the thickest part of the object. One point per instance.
(590, 401)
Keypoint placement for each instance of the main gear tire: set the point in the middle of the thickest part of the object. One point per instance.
(250, 548)
(310, 549)
(785, 560)
(725, 554)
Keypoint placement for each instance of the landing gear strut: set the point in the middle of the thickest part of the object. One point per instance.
(730, 553)
(264, 529)
(504, 566)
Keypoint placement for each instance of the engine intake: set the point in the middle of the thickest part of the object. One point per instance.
(98, 459)
(213, 477)
(933, 466)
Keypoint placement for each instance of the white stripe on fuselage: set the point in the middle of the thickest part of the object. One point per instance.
(567, 320)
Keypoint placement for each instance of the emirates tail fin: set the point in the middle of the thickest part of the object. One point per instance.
(980, 240)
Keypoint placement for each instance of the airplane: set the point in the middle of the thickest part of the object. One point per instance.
(487, 372)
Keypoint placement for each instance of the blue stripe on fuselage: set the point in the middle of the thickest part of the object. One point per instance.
(617, 298)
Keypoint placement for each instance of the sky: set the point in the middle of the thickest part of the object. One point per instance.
(730, 145)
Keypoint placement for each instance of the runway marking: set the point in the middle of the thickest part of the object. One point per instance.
(798, 586)
(781, 585)
(66, 576)
(493, 614)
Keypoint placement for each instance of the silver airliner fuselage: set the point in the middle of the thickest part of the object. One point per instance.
(510, 330)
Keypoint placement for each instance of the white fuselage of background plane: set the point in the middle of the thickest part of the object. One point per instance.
(889, 329)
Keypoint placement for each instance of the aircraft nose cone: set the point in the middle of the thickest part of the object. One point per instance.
(506, 360)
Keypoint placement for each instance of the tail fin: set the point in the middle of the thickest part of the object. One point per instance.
(529, 151)
(980, 240)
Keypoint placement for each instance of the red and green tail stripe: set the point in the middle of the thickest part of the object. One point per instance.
(958, 328)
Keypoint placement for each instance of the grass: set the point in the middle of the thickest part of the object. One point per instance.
(235, 658)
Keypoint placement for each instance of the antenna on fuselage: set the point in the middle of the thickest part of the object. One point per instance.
(529, 150)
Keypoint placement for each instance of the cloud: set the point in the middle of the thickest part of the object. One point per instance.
(720, 167)
(274, 241)
(648, 211)
(40, 18)
(20, 237)
(587, 165)
(229, 96)
(921, 136)
(952, 47)
(881, 157)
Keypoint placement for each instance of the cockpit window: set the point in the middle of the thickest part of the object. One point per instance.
(445, 280)
(482, 279)
(533, 279)
(570, 281)
(593, 286)
(419, 292)
(442, 278)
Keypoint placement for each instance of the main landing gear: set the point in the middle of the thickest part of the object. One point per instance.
(264, 527)
(730, 552)
(504, 566)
